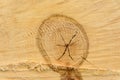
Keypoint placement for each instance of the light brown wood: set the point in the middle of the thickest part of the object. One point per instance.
(19, 23)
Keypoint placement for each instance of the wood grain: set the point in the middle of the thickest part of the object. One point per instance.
(20, 20)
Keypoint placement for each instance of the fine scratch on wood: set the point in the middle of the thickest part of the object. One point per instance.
(63, 2)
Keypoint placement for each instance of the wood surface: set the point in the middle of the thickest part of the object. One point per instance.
(20, 58)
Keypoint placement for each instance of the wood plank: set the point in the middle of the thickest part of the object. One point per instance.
(20, 20)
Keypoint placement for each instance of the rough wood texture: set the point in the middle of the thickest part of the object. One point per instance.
(19, 23)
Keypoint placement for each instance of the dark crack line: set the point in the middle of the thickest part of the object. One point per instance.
(67, 46)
